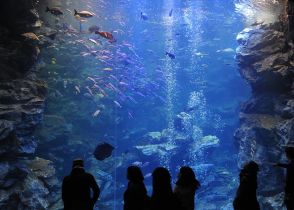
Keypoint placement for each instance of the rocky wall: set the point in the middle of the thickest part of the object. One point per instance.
(265, 58)
(25, 180)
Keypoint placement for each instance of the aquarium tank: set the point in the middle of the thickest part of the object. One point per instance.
(171, 83)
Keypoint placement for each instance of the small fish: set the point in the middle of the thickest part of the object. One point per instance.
(227, 50)
(170, 13)
(92, 79)
(96, 113)
(65, 83)
(54, 11)
(148, 175)
(58, 93)
(118, 104)
(123, 83)
(144, 16)
(68, 10)
(100, 90)
(89, 91)
(106, 35)
(94, 41)
(77, 89)
(130, 115)
(107, 69)
(31, 36)
(83, 14)
(171, 55)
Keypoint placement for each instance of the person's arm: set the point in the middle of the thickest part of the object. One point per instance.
(95, 188)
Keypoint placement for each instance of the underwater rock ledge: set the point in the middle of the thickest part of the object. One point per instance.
(25, 180)
(265, 58)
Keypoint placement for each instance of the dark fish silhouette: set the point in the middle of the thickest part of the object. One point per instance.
(103, 151)
(54, 11)
(172, 56)
(144, 16)
(170, 13)
(93, 29)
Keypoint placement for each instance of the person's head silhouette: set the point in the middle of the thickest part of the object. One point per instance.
(290, 153)
(187, 178)
(161, 181)
(78, 163)
(134, 174)
(251, 167)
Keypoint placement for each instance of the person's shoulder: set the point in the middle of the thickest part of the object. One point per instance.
(66, 178)
(89, 175)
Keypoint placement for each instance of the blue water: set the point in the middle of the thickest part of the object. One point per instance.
(143, 90)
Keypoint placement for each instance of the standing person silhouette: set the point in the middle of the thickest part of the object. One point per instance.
(186, 187)
(163, 197)
(289, 187)
(135, 196)
(246, 194)
(77, 187)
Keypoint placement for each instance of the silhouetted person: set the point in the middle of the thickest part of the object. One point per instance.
(246, 194)
(78, 187)
(162, 196)
(186, 187)
(135, 197)
(289, 187)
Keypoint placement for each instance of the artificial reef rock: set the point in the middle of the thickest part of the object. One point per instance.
(265, 58)
(26, 182)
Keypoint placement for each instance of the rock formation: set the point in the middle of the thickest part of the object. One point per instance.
(265, 58)
(25, 181)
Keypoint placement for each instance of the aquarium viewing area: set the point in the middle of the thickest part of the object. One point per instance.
(158, 83)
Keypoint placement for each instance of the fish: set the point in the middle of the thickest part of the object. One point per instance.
(143, 16)
(107, 69)
(123, 84)
(171, 55)
(227, 50)
(148, 175)
(105, 35)
(93, 28)
(65, 84)
(30, 36)
(170, 13)
(130, 115)
(96, 113)
(118, 104)
(83, 14)
(92, 79)
(54, 11)
(89, 91)
(100, 90)
(103, 151)
(77, 89)
(93, 41)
